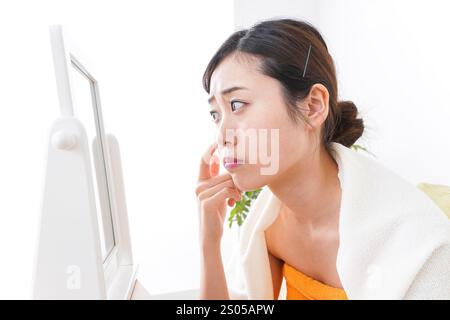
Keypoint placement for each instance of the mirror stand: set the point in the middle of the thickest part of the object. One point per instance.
(69, 263)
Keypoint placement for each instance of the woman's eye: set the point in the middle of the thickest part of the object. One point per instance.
(236, 105)
(214, 115)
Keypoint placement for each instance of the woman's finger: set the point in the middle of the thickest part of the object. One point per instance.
(204, 171)
(214, 165)
(201, 186)
(215, 189)
(224, 194)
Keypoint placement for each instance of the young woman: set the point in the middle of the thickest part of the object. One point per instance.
(330, 223)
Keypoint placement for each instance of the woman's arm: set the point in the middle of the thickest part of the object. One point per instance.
(213, 284)
(213, 192)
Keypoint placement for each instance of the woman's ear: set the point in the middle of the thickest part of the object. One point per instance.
(316, 105)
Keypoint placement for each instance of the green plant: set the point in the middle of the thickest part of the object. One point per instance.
(242, 207)
(357, 147)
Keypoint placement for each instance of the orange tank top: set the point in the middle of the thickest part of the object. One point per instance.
(299, 286)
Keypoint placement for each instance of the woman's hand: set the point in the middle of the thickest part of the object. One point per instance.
(212, 192)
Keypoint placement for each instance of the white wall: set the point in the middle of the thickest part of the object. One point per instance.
(150, 57)
(247, 12)
(392, 61)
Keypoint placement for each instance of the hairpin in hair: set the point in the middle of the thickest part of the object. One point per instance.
(306, 63)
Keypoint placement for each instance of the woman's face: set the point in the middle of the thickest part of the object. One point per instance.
(253, 124)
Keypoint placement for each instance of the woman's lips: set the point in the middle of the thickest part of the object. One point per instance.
(231, 163)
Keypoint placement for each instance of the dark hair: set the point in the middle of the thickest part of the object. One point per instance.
(281, 47)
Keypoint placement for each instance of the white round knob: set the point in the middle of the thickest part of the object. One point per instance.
(64, 140)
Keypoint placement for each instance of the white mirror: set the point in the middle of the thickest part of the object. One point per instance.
(84, 248)
(86, 108)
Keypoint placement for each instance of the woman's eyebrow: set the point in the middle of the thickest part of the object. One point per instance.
(227, 91)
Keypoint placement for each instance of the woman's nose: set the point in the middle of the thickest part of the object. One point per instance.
(227, 138)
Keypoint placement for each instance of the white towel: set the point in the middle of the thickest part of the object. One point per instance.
(394, 241)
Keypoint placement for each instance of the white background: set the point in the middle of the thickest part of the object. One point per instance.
(391, 58)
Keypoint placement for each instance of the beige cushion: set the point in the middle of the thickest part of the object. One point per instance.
(440, 194)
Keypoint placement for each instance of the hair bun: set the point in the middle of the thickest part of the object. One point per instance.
(348, 127)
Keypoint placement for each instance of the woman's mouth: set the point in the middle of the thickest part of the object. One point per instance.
(231, 163)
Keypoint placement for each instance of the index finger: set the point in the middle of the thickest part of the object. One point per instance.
(204, 172)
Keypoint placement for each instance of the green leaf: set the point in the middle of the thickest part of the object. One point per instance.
(357, 147)
(242, 207)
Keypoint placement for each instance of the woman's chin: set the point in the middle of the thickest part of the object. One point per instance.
(247, 182)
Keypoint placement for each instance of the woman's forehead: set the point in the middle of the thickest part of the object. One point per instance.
(235, 70)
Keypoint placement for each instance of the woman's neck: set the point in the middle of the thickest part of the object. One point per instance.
(311, 190)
